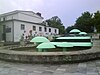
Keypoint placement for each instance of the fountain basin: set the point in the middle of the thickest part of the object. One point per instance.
(50, 57)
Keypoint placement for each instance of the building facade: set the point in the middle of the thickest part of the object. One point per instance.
(16, 23)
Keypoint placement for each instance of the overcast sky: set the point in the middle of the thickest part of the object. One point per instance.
(66, 10)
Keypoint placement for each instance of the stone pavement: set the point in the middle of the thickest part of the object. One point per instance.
(85, 68)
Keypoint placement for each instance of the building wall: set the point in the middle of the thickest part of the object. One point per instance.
(0, 32)
(17, 31)
(29, 18)
(8, 31)
(9, 35)
(29, 26)
(9, 17)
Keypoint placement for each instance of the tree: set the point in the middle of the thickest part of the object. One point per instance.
(56, 22)
(69, 28)
(85, 22)
(96, 20)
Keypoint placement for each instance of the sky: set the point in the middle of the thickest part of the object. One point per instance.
(67, 10)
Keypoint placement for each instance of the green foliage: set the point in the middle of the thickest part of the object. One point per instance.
(68, 29)
(56, 22)
(85, 22)
(96, 20)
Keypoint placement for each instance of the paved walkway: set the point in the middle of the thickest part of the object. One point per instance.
(86, 68)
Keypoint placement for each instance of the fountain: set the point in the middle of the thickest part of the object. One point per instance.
(59, 50)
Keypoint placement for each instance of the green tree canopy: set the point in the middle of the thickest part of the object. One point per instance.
(85, 22)
(96, 20)
(56, 22)
(68, 29)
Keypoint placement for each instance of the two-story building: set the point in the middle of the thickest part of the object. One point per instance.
(16, 23)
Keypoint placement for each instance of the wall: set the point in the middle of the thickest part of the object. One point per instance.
(8, 34)
(50, 57)
(0, 32)
(29, 26)
(9, 17)
(29, 18)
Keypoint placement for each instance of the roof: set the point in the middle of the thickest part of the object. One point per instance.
(15, 12)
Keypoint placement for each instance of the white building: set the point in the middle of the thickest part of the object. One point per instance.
(14, 24)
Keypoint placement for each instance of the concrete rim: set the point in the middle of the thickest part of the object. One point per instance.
(22, 56)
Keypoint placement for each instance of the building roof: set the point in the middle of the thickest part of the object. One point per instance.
(17, 11)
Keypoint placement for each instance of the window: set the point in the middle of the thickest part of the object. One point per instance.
(55, 30)
(46, 33)
(4, 28)
(3, 18)
(49, 29)
(40, 28)
(45, 29)
(34, 28)
(22, 27)
(8, 29)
